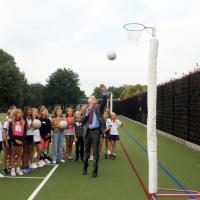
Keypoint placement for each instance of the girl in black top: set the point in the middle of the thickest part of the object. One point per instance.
(45, 133)
(106, 132)
(78, 131)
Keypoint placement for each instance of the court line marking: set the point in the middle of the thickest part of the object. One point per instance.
(136, 173)
(172, 177)
(165, 170)
(36, 191)
(22, 177)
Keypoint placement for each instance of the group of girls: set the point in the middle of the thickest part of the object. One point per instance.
(20, 140)
(26, 148)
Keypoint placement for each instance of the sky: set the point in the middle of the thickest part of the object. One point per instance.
(49, 34)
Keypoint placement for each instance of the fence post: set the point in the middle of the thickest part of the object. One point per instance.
(163, 95)
(173, 105)
(188, 111)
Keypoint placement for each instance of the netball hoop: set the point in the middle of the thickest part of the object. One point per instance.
(134, 32)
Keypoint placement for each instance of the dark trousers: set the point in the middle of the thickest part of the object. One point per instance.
(79, 148)
(92, 140)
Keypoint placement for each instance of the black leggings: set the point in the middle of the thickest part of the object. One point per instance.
(80, 148)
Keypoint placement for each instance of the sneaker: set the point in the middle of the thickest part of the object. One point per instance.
(19, 171)
(33, 166)
(48, 157)
(70, 158)
(1, 175)
(91, 158)
(47, 161)
(54, 162)
(39, 165)
(66, 156)
(42, 162)
(24, 170)
(28, 170)
(13, 173)
(4, 171)
(62, 161)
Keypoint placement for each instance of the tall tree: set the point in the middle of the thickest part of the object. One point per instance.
(82, 94)
(12, 81)
(35, 94)
(97, 92)
(63, 88)
(116, 91)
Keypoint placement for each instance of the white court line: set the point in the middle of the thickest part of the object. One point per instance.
(50, 164)
(22, 177)
(33, 195)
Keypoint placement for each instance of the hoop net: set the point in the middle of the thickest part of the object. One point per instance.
(134, 32)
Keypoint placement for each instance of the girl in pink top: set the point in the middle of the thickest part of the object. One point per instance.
(69, 133)
(27, 158)
(17, 135)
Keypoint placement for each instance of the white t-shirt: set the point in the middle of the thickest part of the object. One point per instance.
(108, 123)
(1, 132)
(115, 125)
(30, 131)
(36, 135)
(6, 126)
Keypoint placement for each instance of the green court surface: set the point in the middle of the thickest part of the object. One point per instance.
(179, 167)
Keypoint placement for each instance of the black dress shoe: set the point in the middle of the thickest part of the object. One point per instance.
(94, 174)
(84, 171)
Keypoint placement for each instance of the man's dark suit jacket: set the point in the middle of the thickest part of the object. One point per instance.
(99, 113)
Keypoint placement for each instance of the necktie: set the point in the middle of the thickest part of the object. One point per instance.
(91, 116)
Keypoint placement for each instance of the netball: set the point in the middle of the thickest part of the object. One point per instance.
(36, 124)
(111, 55)
(63, 124)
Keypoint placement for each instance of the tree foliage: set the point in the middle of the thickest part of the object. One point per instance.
(12, 81)
(116, 91)
(122, 92)
(131, 90)
(35, 94)
(63, 88)
(97, 92)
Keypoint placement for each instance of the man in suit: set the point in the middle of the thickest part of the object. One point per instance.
(93, 120)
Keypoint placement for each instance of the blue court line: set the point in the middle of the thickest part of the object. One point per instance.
(166, 172)
(159, 164)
